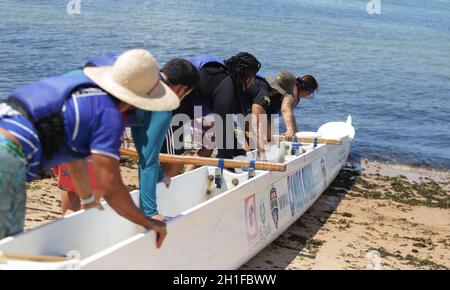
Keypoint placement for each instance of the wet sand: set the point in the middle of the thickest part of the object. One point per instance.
(373, 216)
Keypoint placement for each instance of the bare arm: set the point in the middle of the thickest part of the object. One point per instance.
(80, 175)
(112, 189)
(287, 112)
(258, 134)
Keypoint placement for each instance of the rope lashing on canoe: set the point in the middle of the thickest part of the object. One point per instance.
(251, 169)
(295, 147)
(219, 173)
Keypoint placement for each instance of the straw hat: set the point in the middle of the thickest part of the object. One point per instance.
(134, 79)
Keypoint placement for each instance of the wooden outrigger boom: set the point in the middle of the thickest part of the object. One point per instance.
(205, 161)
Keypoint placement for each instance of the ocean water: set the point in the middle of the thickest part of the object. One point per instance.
(390, 71)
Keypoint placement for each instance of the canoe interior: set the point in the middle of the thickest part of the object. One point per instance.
(207, 223)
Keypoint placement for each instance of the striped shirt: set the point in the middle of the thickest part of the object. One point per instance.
(92, 125)
(23, 130)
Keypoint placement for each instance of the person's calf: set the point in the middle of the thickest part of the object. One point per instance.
(172, 170)
(70, 202)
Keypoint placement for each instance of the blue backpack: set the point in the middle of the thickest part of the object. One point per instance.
(200, 61)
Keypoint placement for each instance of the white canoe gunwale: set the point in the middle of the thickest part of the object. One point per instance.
(219, 232)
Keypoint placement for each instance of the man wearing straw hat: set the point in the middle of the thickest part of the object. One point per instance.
(66, 119)
(148, 130)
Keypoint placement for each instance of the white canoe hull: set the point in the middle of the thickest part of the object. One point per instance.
(219, 232)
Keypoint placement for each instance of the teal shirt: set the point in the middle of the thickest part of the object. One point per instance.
(148, 136)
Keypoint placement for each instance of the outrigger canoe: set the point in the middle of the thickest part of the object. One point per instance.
(211, 228)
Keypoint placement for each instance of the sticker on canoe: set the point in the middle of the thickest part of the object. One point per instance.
(274, 206)
(283, 201)
(251, 222)
(324, 171)
(301, 189)
(264, 228)
(262, 211)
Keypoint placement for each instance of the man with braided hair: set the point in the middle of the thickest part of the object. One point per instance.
(220, 91)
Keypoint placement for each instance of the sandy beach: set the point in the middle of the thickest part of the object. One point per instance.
(373, 216)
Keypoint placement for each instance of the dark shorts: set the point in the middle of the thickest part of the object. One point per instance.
(168, 146)
(199, 134)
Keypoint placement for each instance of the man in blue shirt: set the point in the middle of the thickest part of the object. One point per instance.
(150, 131)
(89, 123)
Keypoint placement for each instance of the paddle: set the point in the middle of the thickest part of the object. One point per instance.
(31, 258)
(299, 139)
(204, 161)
